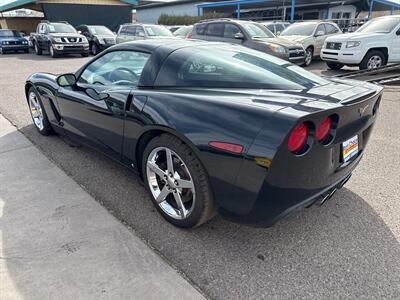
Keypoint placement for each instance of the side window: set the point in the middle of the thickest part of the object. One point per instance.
(330, 29)
(321, 27)
(131, 30)
(122, 30)
(115, 68)
(230, 31)
(42, 28)
(201, 29)
(215, 29)
(271, 28)
(139, 31)
(279, 28)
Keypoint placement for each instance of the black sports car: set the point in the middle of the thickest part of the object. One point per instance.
(212, 126)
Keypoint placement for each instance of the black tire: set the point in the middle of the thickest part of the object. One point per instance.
(94, 49)
(369, 55)
(26, 50)
(38, 50)
(47, 129)
(2, 51)
(85, 54)
(309, 51)
(334, 66)
(204, 205)
(52, 52)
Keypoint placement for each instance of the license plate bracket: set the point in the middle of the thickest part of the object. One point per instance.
(350, 148)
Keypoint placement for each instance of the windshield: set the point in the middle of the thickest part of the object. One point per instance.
(380, 25)
(257, 31)
(233, 67)
(305, 29)
(100, 30)
(61, 28)
(9, 33)
(183, 31)
(156, 30)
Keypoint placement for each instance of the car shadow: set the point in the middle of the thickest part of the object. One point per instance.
(343, 249)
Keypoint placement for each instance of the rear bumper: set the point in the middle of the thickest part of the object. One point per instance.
(345, 57)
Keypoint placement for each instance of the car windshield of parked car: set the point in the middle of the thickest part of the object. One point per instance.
(9, 33)
(233, 67)
(183, 31)
(384, 25)
(157, 31)
(257, 31)
(301, 29)
(61, 28)
(101, 30)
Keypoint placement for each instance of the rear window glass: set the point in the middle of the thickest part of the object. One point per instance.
(232, 67)
(201, 29)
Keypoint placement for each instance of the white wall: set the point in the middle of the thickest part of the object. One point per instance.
(151, 15)
(343, 8)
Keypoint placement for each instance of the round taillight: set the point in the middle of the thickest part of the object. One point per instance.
(324, 129)
(298, 138)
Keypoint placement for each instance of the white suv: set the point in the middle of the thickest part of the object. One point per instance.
(373, 45)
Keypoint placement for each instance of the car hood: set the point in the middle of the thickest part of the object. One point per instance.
(356, 35)
(294, 38)
(278, 41)
(12, 39)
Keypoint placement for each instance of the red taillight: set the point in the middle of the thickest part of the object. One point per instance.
(189, 35)
(324, 129)
(298, 138)
(234, 148)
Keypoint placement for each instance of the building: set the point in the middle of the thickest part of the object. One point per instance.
(264, 9)
(110, 13)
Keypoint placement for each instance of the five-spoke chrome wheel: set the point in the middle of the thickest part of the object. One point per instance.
(170, 183)
(374, 62)
(36, 110)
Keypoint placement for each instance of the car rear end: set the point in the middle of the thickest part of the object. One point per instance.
(323, 143)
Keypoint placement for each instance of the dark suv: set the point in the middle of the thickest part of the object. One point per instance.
(249, 34)
(59, 38)
(99, 37)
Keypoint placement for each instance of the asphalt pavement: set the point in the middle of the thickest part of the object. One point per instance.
(347, 249)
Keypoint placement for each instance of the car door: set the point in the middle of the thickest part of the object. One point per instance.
(319, 38)
(230, 31)
(394, 52)
(93, 109)
(215, 32)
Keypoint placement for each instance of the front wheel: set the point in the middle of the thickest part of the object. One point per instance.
(177, 182)
(333, 66)
(309, 57)
(94, 49)
(38, 50)
(38, 113)
(372, 60)
(53, 53)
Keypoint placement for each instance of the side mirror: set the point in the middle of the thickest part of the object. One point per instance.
(141, 34)
(239, 36)
(319, 33)
(66, 80)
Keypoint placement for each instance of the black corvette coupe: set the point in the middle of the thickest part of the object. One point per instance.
(212, 127)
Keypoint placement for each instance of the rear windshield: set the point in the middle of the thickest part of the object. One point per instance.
(61, 28)
(9, 33)
(155, 30)
(380, 25)
(183, 31)
(232, 67)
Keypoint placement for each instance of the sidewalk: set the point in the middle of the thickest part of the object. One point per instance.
(57, 242)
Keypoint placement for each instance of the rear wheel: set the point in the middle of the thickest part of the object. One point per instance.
(38, 50)
(94, 48)
(38, 113)
(177, 182)
(372, 60)
(333, 66)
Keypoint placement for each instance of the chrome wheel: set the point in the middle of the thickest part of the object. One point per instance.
(170, 183)
(309, 56)
(51, 50)
(374, 62)
(36, 110)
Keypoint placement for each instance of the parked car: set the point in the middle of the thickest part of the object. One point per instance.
(99, 37)
(11, 40)
(276, 27)
(184, 32)
(249, 34)
(132, 32)
(373, 45)
(311, 35)
(59, 38)
(238, 130)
